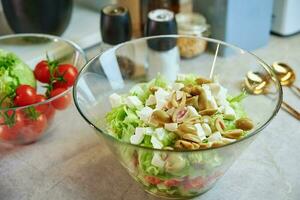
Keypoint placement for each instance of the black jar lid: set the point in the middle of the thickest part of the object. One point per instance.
(161, 22)
(115, 24)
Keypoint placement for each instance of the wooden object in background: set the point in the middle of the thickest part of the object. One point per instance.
(134, 9)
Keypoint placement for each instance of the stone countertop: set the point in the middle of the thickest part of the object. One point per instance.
(73, 163)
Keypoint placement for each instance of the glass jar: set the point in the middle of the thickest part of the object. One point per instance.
(191, 24)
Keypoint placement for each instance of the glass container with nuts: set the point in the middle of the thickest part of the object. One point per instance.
(191, 24)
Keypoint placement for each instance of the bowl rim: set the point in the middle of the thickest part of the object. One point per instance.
(107, 135)
(55, 39)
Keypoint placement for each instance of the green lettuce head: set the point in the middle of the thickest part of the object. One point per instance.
(13, 72)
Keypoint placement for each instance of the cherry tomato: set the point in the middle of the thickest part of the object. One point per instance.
(42, 72)
(34, 128)
(12, 132)
(152, 180)
(50, 112)
(25, 95)
(171, 182)
(43, 107)
(61, 102)
(68, 73)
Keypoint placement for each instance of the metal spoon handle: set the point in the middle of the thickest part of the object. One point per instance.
(290, 110)
(296, 88)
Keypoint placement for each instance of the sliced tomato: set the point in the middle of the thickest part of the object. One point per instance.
(195, 183)
(171, 182)
(153, 180)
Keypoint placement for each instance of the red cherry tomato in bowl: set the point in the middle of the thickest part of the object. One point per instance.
(42, 107)
(66, 75)
(11, 132)
(25, 95)
(34, 128)
(42, 72)
(50, 112)
(60, 103)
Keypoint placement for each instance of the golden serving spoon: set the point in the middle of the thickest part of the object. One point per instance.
(285, 74)
(256, 83)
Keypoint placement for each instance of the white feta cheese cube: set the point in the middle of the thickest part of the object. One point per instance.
(171, 126)
(156, 143)
(160, 133)
(157, 160)
(145, 114)
(216, 136)
(192, 111)
(149, 131)
(200, 131)
(177, 86)
(161, 97)
(229, 113)
(115, 100)
(206, 128)
(161, 94)
(160, 104)
(179, 95)
(133, 102)
(151, 100)
(214, 88)
(210, 99)
(138, 136)
(140, 130)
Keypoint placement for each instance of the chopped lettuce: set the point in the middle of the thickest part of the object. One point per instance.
(123, 121)
(187, 79)
(238, 98)
(145, 159)
(142, 90)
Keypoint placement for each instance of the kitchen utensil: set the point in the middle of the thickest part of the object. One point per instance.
(257, 84)
(285, 74)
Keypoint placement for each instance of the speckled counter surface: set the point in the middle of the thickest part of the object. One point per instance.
(73, 163)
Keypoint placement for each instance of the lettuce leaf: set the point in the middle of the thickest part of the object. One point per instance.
(188, 79)
(238, 98)
(145, 159)
(13, 72)
(123, 121)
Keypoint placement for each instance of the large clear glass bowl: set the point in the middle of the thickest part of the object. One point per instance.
(119, 68)
(32, 48)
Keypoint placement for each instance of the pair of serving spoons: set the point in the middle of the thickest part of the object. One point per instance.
(256, 83)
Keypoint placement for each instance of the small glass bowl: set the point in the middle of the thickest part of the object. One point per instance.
(188, 173)
(27, 124)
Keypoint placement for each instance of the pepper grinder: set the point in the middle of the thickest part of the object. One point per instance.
(115, 28)
(163, 54)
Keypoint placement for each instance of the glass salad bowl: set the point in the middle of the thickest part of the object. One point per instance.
(25, 124)
(183, 173)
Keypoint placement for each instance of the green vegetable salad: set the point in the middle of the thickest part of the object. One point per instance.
(189, 114)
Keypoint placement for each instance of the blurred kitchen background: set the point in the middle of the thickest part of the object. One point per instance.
(245, 23)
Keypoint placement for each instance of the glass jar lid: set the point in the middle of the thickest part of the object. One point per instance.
(191, 24)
